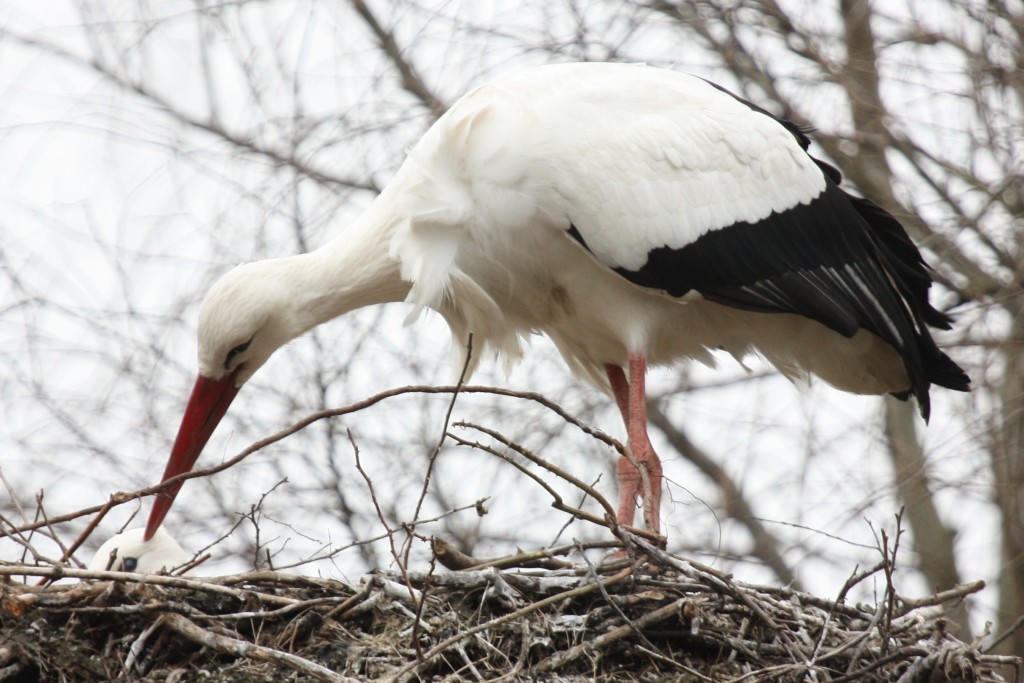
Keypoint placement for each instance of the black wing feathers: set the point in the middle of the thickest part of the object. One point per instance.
(839, 260)
(903, 257)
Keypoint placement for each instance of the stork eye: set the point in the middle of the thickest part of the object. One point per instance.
(235, 351)
(130, 563)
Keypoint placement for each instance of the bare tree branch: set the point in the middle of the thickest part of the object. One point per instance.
(765, 546)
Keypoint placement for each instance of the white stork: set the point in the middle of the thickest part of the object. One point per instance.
(635, 216)
(128, 551)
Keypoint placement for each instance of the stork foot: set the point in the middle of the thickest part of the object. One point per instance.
(639, 472)
(633, 488)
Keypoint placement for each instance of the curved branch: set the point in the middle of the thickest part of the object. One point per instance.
(766, 546)
(412, 82)
(209, 125)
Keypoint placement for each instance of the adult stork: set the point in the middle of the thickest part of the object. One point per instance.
(635, 216)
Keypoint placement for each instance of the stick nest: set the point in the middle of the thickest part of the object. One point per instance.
(654, 619)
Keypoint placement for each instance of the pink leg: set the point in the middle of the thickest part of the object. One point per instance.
(632, 401)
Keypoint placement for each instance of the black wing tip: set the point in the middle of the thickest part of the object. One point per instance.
(926, 364)
(937, 319)
(949, 375)
(938, 370)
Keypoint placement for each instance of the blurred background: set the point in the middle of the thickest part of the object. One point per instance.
(145, 148)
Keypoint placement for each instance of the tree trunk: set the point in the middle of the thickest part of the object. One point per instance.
(1008, 473)
(933, 540)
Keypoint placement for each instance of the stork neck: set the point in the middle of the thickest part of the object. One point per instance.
(350, 272)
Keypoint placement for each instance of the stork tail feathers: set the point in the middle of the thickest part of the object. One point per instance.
(910, 275)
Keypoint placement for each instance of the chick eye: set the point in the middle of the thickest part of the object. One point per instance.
(235, 351)
(130, 563)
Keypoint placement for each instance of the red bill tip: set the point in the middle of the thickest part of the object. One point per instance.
(206, 406)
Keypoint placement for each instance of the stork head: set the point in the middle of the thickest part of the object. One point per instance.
(128, 552)
(247, 315)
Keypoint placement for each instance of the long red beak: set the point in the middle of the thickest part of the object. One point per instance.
(209, 401)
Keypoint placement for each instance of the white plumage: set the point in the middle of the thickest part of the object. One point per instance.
(634, 215)
(129, 552)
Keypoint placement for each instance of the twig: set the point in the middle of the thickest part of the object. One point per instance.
(432, 460)
(557, 502)
(60, 572)
(610, 517)
(512, 616)
(247, 143)
(135, 651)
(850, 582)
(412, 82)
(537, 460)
(1013, 628)
(242, 648)
(451, 558)
(561, 659)
(120, 498)
(955, 593)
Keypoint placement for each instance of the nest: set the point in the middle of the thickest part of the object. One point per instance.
(652, 617)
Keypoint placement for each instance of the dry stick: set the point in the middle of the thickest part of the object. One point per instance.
(651, 649)
(889, 567)
(610, 516)
(19, 539)
(372, 539)
(390, 538)
(89, 528)
(243, 648)
(149, 607)
(169, 106)
(902, 653)
(720, 582)
(1014, 627)
(787, 593)
(504, 619)
(60, 572)
(852, 581)
(568, 522)
(412, 82)
(618, 633)
(276, 578)
(135, 649)
(557, 501)
(120, 497)
(545, 558)
(773, 671)
(65, 552)
(524, 651)
(341, 610)
(184, 608)
(421, 605)
(537, 460)
(404, 561)
(592, 574)
(376, 503)
(673, 663)
(954, 593)
(715, 580)
(862, 642)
